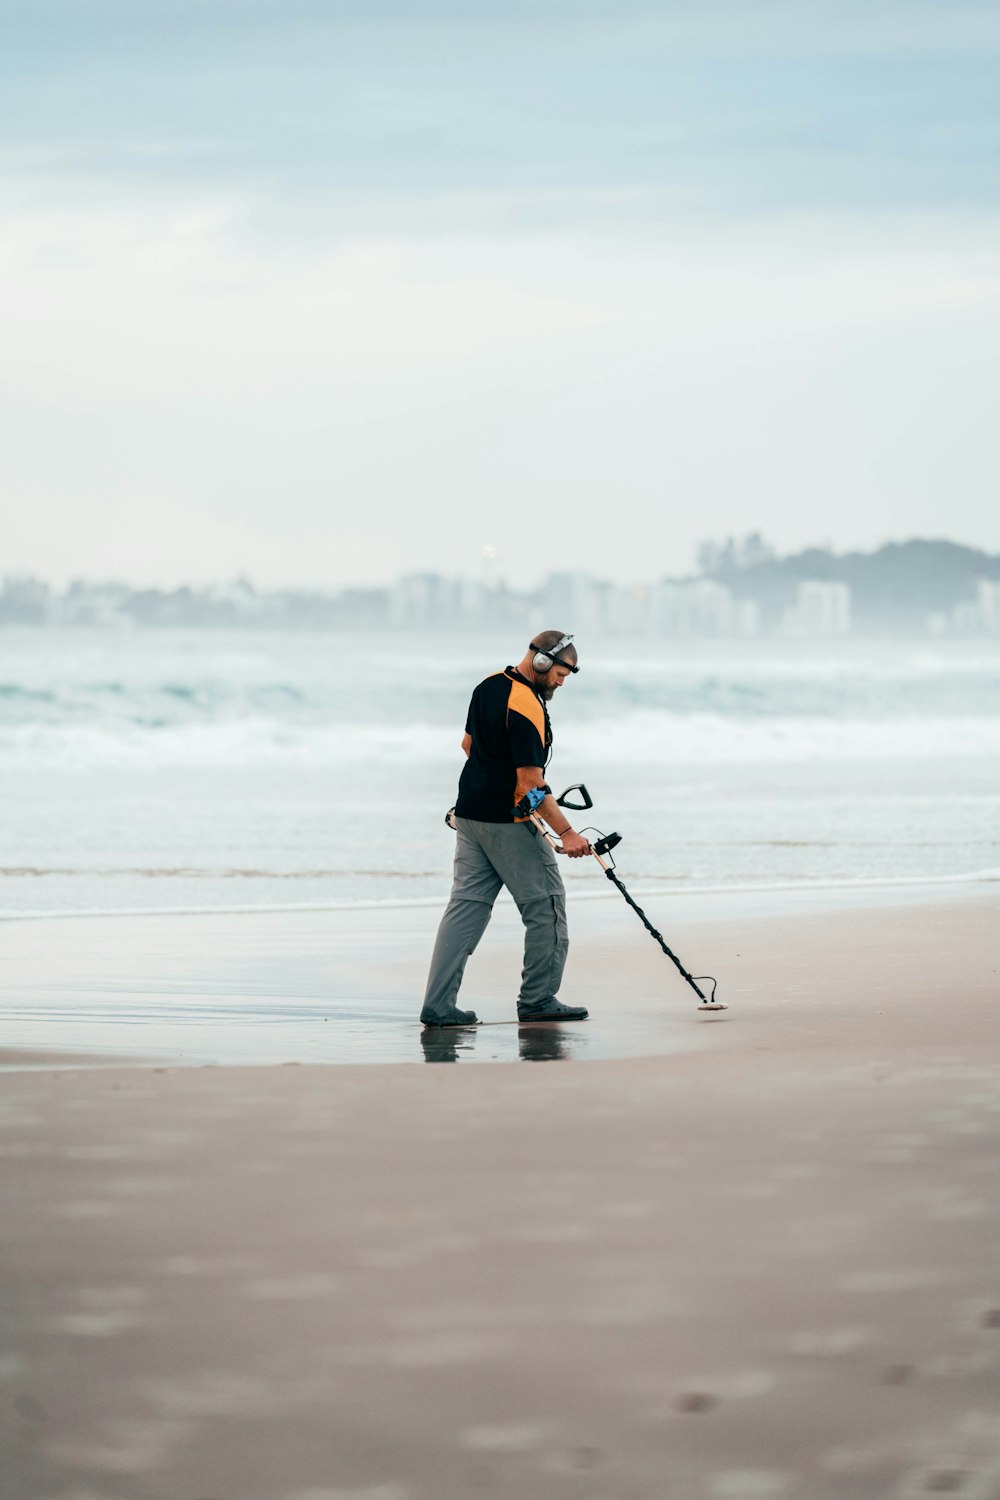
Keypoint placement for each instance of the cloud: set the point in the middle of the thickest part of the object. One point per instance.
(390, 274)
(415, 393)
(776, 106)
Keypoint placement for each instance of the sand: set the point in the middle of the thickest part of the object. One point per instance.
(760, 1260)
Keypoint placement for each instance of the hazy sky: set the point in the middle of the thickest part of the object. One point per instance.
(325, 291)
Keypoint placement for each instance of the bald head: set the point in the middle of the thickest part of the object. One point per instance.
(547, 680)
(545, 640)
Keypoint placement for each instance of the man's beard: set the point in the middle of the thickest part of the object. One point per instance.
(546, 690)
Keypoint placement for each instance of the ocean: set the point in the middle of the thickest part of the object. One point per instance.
(196, 770)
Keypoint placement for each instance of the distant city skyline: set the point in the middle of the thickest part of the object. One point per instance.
(487, 569)
(322, 293)
(513, 572)
(744, 591)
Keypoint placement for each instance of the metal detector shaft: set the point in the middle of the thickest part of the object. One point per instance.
(604, 844)
(609, 872)
(708, 1002)
(549, 837)
(650, 928)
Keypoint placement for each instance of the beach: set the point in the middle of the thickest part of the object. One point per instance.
(755, 1256)
(408, 408)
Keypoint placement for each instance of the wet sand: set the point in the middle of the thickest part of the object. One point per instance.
(339, 986)
(760, 1262)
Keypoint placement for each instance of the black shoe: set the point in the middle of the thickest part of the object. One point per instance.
(453, 1018)
(550, 1010)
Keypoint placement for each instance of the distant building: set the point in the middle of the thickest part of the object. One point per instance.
(988, 603)
(627, 610)
(573, 602)
(822, 609)
(700, 607)
(425, 601)
(24, 600)
(99, 605)
(746, 617)
(239, 599)
(979, 615)
(410, 601)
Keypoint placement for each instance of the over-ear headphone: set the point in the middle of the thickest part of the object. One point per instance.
(543, 661)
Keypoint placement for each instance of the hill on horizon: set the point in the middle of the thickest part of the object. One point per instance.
(899, 583)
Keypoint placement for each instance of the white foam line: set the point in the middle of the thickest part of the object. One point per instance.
(971, 877)
(212, 911)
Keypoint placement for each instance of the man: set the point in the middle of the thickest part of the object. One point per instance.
(508, 740)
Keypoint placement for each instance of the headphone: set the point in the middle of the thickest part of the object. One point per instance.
(544, 661)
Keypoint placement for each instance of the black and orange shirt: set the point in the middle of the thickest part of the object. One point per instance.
(510, 727)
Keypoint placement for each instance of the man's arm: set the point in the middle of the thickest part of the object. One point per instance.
(467, 743)
(574, 844)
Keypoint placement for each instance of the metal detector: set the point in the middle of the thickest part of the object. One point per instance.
(601, 850)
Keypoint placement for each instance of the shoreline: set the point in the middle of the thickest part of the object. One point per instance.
(222, 990)
(661, 887)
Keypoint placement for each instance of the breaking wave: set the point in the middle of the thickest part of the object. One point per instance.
(645, 736)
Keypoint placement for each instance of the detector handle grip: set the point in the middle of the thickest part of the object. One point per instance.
(565, 799)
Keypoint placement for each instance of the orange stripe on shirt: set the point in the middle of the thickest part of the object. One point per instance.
(523, 701)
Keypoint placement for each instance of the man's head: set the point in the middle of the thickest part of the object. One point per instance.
(550, 660)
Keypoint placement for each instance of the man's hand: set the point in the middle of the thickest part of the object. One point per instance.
(528, 779)
(574, 844)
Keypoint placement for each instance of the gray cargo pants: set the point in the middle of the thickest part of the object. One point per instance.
(488, 856)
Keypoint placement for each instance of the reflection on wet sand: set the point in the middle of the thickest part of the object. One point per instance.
(443, 1045)
(535, 1043)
